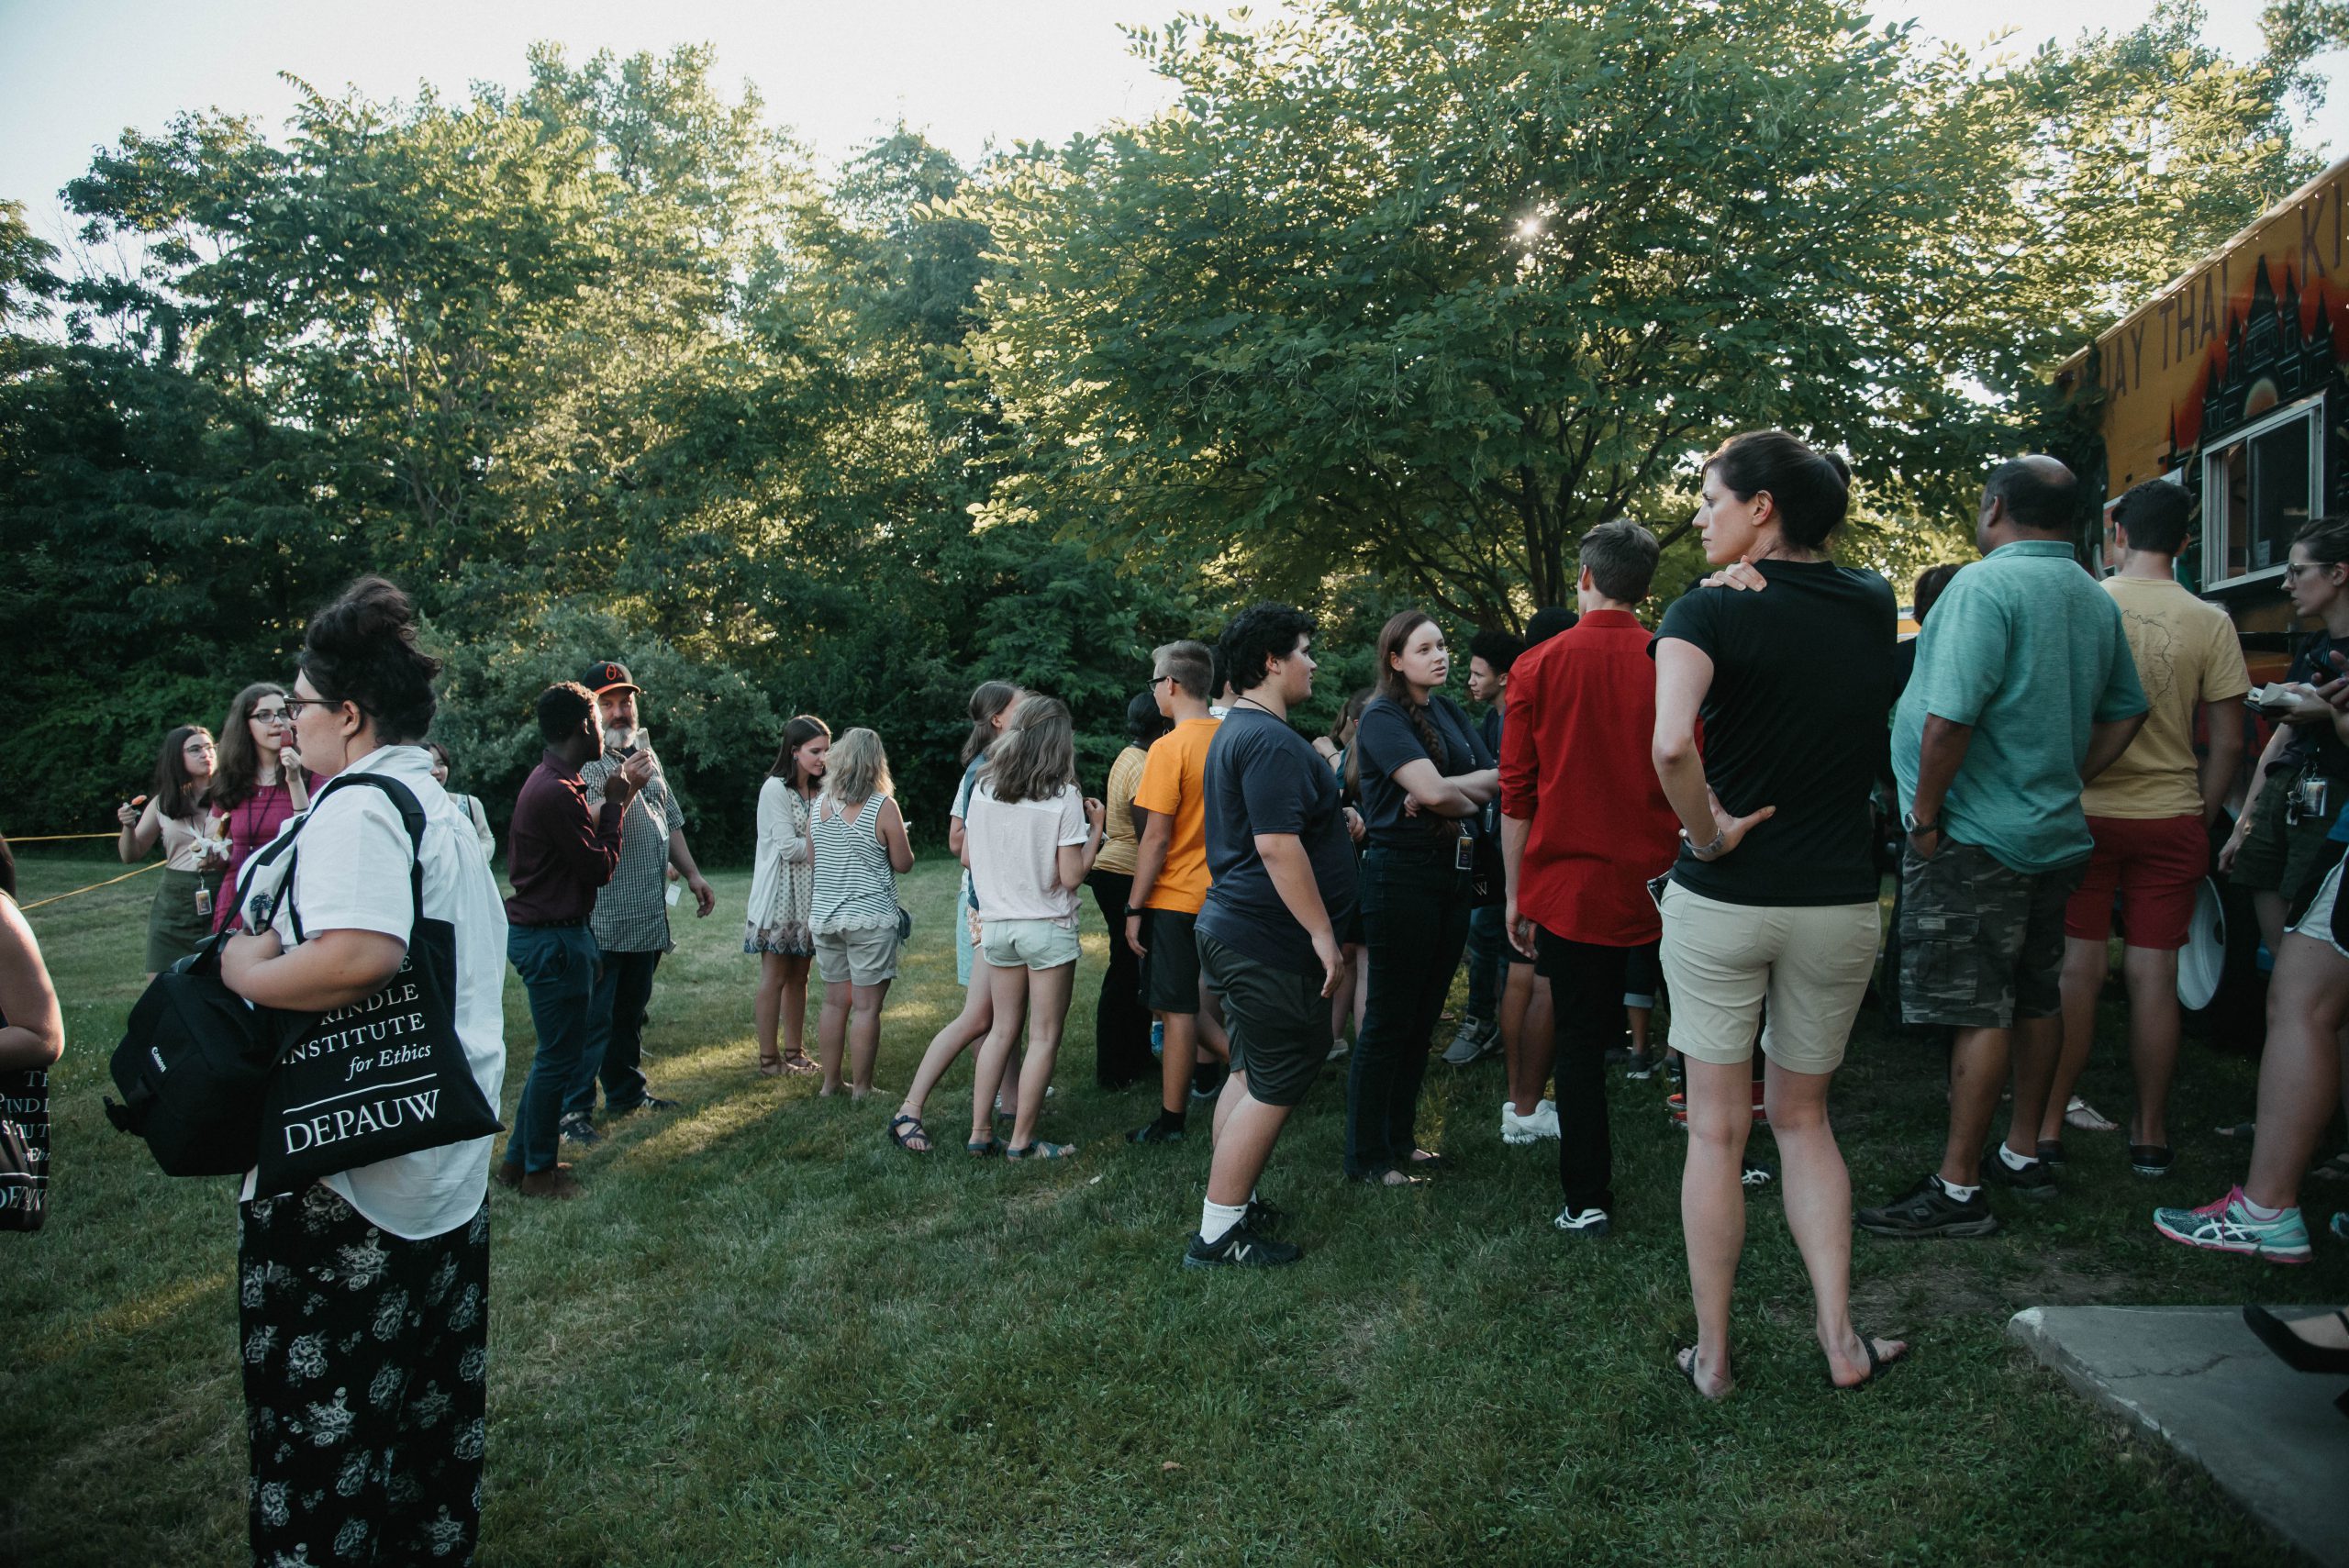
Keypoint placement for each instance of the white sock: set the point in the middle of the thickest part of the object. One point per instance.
(1962, 1195)
(2265, 1216)
(2014, 1161)
(1217, 1219)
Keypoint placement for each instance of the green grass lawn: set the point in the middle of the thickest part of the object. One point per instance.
(765, 1335)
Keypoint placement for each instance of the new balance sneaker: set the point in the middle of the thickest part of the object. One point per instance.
(1165, 1129)
(2035, 1180)
(649, 1103)
(1239, 1248)
(1582, 1222)
(2227, 1226)
(1641, 1067)
(1262, 1215)
(1927, 1209)
(1475, 1039)
(577, 1129)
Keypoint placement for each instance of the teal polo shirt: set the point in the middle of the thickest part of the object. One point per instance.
(2025, 648)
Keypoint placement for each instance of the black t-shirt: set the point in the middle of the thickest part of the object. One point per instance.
(1387, 742)
(1802, 681)
(1262, 777)
(2318, 744)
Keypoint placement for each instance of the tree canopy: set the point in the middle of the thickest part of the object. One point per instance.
(1401, 297)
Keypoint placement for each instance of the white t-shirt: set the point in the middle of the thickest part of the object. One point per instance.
(350, 873)
(1015, 854)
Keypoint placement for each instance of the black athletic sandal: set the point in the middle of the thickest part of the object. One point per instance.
(1876, 1363)
(1685, 1358)
(982, 1147)
(904, 1128)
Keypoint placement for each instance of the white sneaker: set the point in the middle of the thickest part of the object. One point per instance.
(1545, 1120)
(1518, 1129)
(1338, 1048)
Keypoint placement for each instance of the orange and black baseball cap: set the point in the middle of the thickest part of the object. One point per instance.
(607, 675)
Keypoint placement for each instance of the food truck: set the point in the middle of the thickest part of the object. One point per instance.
(2230, 382)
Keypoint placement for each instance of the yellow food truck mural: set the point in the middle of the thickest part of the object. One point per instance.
(2230, 382)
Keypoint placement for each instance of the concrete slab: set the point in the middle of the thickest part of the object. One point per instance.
(2196, 1378)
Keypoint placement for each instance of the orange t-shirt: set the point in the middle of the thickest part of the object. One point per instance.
(1174, 784)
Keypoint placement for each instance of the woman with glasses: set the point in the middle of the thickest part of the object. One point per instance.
(260, 784)
(181, 917)
(364, 1299)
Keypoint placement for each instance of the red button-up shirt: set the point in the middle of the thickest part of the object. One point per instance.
(1577, 762)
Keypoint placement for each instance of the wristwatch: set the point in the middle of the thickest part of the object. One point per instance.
(1910, 826)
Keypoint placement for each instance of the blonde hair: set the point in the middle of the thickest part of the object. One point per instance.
(856, 770)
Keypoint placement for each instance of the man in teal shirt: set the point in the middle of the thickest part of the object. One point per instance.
(2024, 690)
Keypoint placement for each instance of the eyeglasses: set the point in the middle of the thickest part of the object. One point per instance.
(270, 716)
(294, 706)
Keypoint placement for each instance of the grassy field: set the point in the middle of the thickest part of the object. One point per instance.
(765, 1335)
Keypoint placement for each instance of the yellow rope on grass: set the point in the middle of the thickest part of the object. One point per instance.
(125, 876)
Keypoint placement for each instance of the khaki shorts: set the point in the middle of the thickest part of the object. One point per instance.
(1811, 963)
(2322, 921)
(1027, 944)
(867, 956)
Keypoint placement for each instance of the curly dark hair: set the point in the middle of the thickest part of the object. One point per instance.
(1257, 636)
(563, 708)
(361, 649)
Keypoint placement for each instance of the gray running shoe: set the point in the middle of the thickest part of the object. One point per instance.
(1475, 1039)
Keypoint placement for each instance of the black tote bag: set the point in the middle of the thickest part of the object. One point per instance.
(386, 1075)
(24, 1149)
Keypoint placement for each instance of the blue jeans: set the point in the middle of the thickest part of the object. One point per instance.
(1415, 923)
(616, 1037)
(1487, 962)
(557, 965)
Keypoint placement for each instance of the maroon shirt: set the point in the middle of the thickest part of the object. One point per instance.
(557, 851)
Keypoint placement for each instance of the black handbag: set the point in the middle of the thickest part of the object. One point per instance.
(24, 1149)
(386, 1075)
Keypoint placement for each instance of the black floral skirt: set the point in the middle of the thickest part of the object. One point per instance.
(366, 1361)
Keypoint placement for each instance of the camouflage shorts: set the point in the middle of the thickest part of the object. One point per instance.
(1981, 944)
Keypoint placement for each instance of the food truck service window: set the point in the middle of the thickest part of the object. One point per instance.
(2256, 485)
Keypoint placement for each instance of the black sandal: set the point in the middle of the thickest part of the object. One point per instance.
(904, 1128)
(1685, 1358)
(982, 1147)
(1876, 1363)
(2294, 1351)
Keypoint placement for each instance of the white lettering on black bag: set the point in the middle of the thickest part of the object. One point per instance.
(387, 1074)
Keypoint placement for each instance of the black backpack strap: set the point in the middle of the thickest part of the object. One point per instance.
(411, 815)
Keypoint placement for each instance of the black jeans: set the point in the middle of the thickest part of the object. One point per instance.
(1415, 923)
(1586, 996)
(616, 1037)
(1120, 1023)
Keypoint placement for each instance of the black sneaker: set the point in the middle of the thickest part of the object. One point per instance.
(1582, 1222)
(1926, 1210)
(1640, 1066)
(1239, 1248)
(1262, 1215)
(1618, 1054)
(649, 1103)
(2035, 1180)
(580, 1130)
(2151, 1159)
(1159, 1131)
(1674, 1071)
(1206, 1080)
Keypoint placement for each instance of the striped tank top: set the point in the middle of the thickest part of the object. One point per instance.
(855, 886)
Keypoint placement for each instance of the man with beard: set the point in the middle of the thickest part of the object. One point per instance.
(631, 917)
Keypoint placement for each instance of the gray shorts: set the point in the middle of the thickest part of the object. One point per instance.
(1279, 1022)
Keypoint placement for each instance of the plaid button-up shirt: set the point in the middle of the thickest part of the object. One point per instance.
(632, 909)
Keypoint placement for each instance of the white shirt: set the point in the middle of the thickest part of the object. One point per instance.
(350, 874)
(1016, 854)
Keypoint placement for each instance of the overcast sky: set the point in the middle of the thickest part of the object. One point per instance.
(74, 73)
